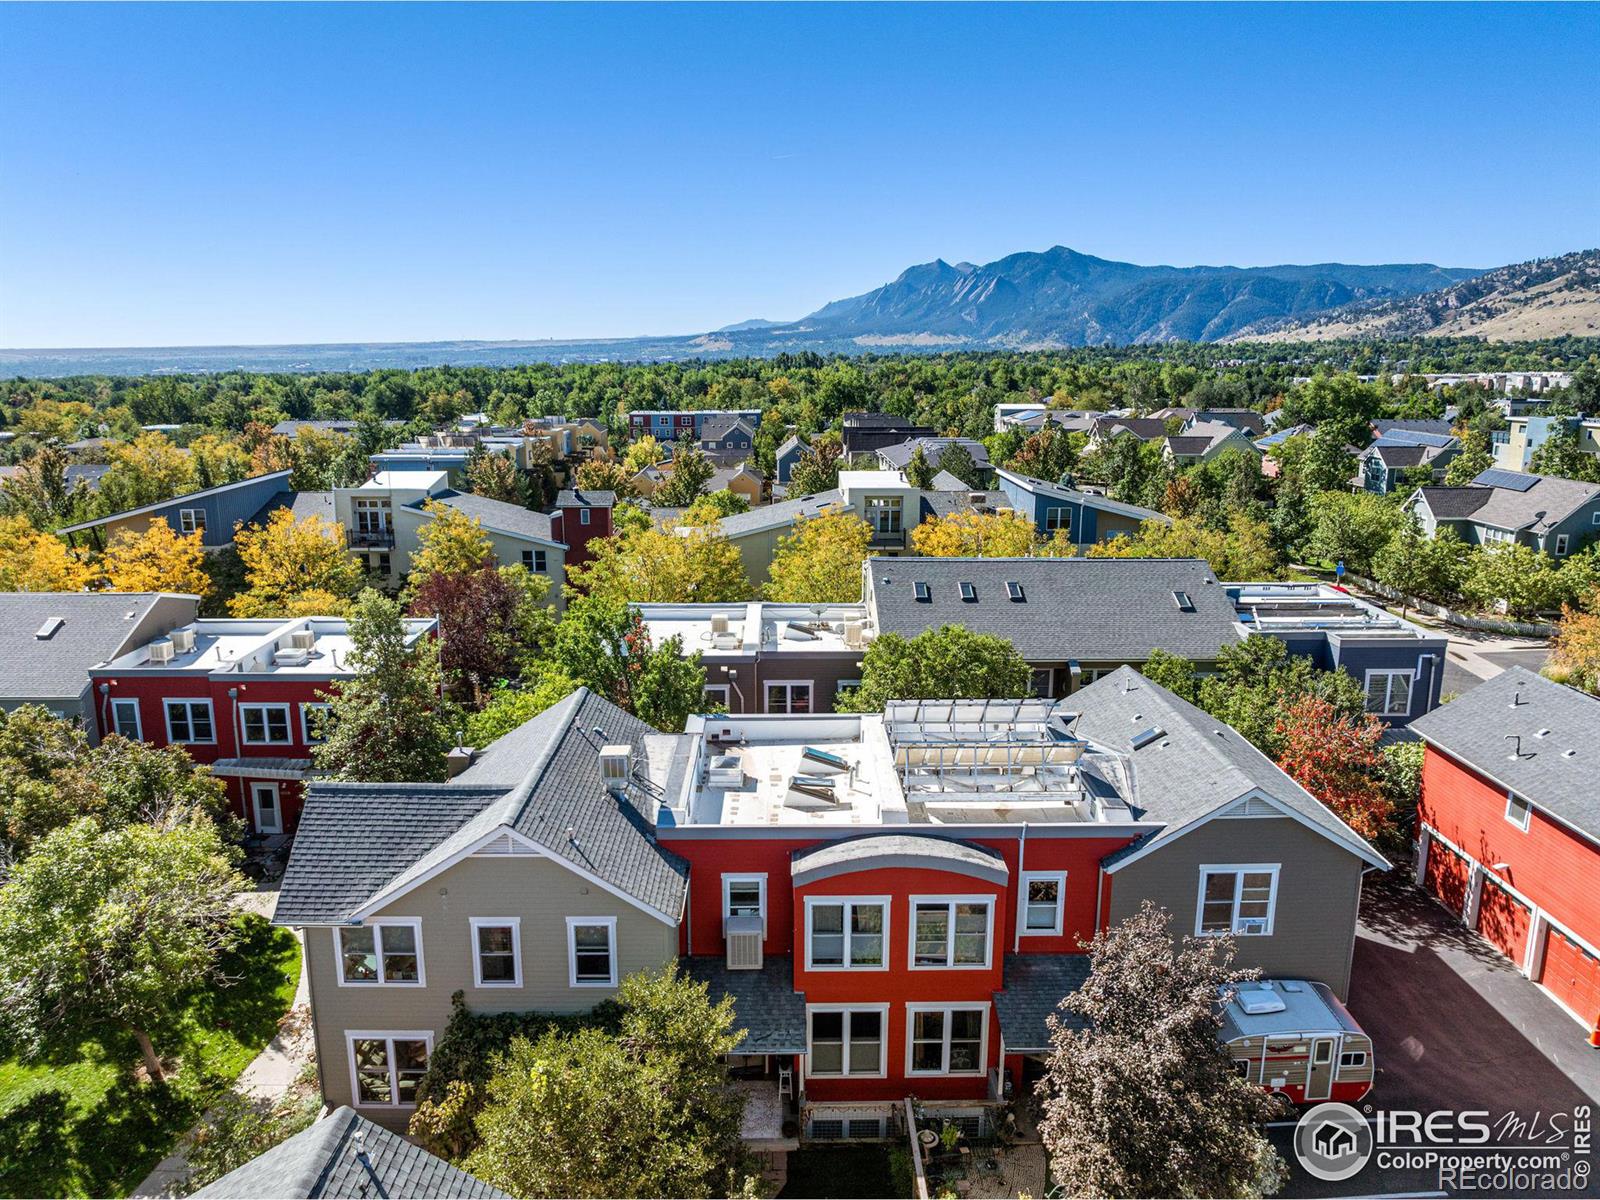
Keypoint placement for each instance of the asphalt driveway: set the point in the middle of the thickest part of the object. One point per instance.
(1454, 1026)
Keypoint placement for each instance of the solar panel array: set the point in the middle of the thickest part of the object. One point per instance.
(1516, 481)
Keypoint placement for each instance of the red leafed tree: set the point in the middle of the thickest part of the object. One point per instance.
(483, 624)
(1337, 759)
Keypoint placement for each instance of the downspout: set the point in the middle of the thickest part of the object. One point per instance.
(1099, 895)
(1017, 915)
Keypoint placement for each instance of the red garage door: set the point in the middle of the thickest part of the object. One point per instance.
(1504, 919)
(1573, 975)
(1446, 876)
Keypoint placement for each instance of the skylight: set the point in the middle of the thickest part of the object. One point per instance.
(921, 592)
(1185, 604)
(1014, 590)
(968, 592)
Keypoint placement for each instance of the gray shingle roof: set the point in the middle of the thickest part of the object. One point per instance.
(573, 498)
(785, 512)
(1402, 455)
(1433, 425)
(347, 1157)
(1475, 728)
(1541, 508)
(497, 515)
(1188, 445)
(1088, 609)
(282, 476)
(357, 842)
(300, 505)
(933, 448)
(1143, 428)
(765, 1004)
(714, 429)
(1454, 503)
(1200, 765)
(1246, 420)
(96, 626)
(1034, 986)
(941, 503)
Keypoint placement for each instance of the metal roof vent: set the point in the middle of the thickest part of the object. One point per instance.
(49, 629)
(1144, 737)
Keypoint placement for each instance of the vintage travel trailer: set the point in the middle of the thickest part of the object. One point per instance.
(1293, 1036)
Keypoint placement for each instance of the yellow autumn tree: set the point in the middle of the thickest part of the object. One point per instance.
(294, 568)
(1244, 551)
(664, 565)
(157, 560)
(31, 561)
(452, 543)
(975, 535)
(147, 470)
(820, 561)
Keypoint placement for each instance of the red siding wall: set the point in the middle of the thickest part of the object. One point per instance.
(1550, 864)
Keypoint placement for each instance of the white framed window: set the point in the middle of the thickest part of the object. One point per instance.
(1044, 895)
(951, 931)
(592, 951)
(788, 695)
(583, 516)
(717, 692)
(946, 1039)
(1240, 900)
(847, 1040)
(527, 560)
(386, 1067)
(265, 724)
(1594, 518)
(385, 953)
(540, 560)
(125, 720)
(1562, 541)
(1389, 692)
(1058, 519)
(314, 722)
(266, 805)
(189, 721)
(847, 934)
(191, 520)
(496, 951)
(1518, 811)
(745, 896)
(1352, 1058)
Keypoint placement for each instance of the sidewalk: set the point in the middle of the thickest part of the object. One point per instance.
(270, 1074)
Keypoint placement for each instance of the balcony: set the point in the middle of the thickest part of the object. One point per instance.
(370, 539)
(884, 539)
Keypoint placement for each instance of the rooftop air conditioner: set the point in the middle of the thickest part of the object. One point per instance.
(290, 658)
(160, 651)
(725, 641)
(853, 634)
(719, 623)
(303, 639)
(744, 937)
(182, 640)
(616, 765)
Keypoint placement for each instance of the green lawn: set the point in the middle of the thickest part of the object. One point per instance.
(75, 1122)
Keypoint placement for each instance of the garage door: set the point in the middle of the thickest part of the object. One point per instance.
(1446, 876)
(1504, 920)
(1573, 975)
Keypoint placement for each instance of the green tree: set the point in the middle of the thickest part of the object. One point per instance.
(113, 925)
(1561, 454)
(294, 568)
(605, 645)
(950, 662)
(494, 476)
(1144, 1098)
(452, 543)
(820, 560)
(1516, 576)
(919, 471)
(1473, 459)
(1173, 672)
(713, 506)
(818, 469)
(1051, 454)
(1351, 528)
(387, 723)
(658, 1089)
(1257, 679)
(1244, 552)
(955, 459)
(691, 471)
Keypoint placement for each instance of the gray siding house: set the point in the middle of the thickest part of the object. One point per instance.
(1553, 515)
(214, 512)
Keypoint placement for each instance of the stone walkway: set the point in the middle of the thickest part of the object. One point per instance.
(271, 1074)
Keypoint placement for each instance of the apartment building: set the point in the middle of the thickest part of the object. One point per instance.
(242, 697)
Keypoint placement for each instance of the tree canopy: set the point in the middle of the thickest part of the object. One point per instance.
(950, 662)
(294, 568)
(819, 561)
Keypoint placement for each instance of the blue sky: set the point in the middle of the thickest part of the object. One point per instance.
(257, 173)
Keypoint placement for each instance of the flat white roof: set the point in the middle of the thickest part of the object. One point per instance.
(417, 480)
(743, 629)
(258, 647)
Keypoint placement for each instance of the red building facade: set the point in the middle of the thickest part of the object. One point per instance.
(243, 697)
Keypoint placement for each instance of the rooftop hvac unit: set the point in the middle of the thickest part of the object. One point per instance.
(616, 765)
(182, 640)
(853, 634)
(160, 651)
(725, 641)
(303, 639)
(744, 937)
(719, 623)
(725, 771)
(290, 658)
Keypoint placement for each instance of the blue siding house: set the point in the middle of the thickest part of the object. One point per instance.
(214, 512)
(789, 455)
(1088, 518)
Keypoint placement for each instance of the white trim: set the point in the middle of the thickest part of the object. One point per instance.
(1239, 871)
(944, 1054)
(1387, 710)
(1527, 811)
(186, 517)
(848, 902)
(1563, 540)
(138, 720)
(383, 899)
(190, 703)
(757, 878)
(846, 1009)
(415, 923)
(610, 925)
(305, 725)
(723, 693)
(257, 785)
(352, 1036)
(1059, 878)
(789, 685)
(515, 924)
(288, 725)
(950, 903)
(1356, 845)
